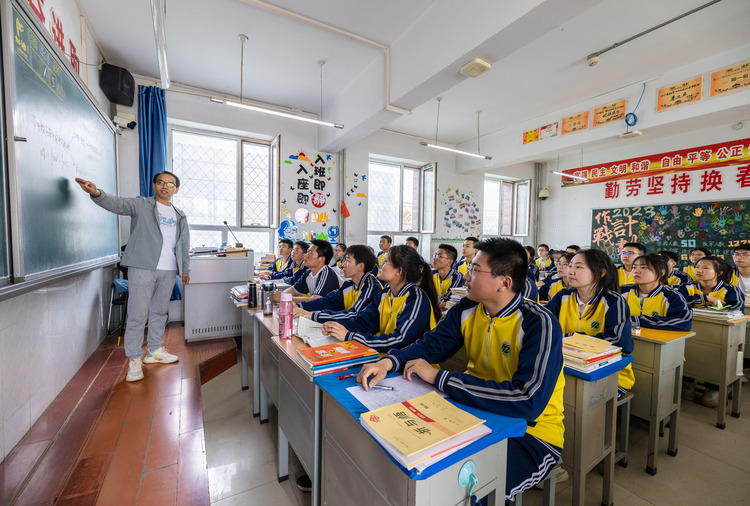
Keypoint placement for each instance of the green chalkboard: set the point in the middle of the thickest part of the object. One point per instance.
(716, 225)
(60, 135)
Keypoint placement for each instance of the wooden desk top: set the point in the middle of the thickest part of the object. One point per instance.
(728, 323)
(662, 336)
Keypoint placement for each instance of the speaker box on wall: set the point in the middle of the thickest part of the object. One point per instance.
(117, 84)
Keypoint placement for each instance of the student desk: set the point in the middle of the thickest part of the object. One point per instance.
(711, 356)
(250, 347)
(590, 407)
(356, 469)
(658, 357)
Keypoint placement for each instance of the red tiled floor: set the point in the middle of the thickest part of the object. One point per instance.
(159, 487)
(124, 441)
(163, 446)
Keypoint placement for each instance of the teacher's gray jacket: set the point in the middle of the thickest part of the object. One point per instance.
(144, 246)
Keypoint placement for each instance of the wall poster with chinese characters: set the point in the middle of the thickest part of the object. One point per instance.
(309, 197)
(715, 225)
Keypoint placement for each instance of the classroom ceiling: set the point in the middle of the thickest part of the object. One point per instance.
(537, 50)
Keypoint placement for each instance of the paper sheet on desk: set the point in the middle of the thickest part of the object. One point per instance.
(403, 390)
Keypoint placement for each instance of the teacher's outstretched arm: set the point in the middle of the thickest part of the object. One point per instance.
(88, 187)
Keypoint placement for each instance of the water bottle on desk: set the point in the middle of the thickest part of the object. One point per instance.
(286, 316)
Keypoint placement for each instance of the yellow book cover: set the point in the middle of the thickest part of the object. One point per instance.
(420, 423)
(587, 343)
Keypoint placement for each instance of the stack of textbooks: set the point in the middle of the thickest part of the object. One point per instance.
(586, 354)
(335, 357)
(421, 431)
(456, 295)
(718, 314)
(239, 294)
(266, 261)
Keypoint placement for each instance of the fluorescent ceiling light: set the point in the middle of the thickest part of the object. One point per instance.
(275, 113)
(160, 36)
(460, 152)
(570, 175)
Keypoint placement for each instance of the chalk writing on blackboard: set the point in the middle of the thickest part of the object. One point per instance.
(717, 225)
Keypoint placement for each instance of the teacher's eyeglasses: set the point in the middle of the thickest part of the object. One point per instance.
(168, 184)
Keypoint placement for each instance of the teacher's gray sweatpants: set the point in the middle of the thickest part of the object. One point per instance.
(148, 300)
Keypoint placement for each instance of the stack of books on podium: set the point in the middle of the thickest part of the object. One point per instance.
(335, 357)
(421, 431)
(239, 294)
(586, 354)
(265, 263)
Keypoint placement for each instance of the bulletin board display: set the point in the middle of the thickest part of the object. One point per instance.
(717, 225)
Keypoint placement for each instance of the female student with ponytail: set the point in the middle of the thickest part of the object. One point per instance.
(405, 310)
(593, 306)
(653, 304)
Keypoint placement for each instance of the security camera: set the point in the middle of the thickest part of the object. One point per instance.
(123, 123)
(544, 193)
(592, 59)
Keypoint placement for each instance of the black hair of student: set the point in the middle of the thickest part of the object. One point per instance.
(324, 249)
(303, 245)
(413, 239)
(723, 270)
(450, 251)
(637, 245)
(472, 239)
(529, 250)
(566, 255)
(506, 257)
(575, 247)
(176, 179)
(705, 251)
(387, 238)
(288, 242)
(415, 270)
(362, 254)
(542, 245)
(343, 246)
(742, 247)
(658, 264)
(671, 255)
(598, 261)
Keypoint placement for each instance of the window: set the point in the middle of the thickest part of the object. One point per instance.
(226, 178)
(506, 207)
(412, 211)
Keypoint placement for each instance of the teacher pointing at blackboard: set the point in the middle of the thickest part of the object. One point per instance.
(156, 251)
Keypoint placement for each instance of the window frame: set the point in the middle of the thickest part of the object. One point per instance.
(509, 226)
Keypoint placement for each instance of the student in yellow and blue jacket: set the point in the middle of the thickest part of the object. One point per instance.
(384, 245)
(653, 304)
(741, 259)
(299, 250)
(320, 279)
(444, 276)
(467, 254)
(695, 255)
(533, 270)
(675, 276)
(711, 288)
(556, 282)
(515, 359)
(628, 253)
(281, 263)
(361, 289)
(593, 306)
(338, 255)
(405, 310)
(543, 261)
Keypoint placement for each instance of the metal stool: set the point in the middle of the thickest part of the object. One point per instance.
(623, 429)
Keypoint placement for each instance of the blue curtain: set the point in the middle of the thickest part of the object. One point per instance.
(152, 136)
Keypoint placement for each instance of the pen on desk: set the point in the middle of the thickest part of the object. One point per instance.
(382, 387)
(346, 376)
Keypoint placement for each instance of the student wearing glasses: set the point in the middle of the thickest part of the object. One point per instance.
(695, 255)
(320, 279)
(282, 262)
(543, 261)
(444, 275)
(593, 306)
(741, 275)
(296, 268)
(556, 282)
(361, 289)
(515, 359)
(384, 245)
(403, 312)
(467, 254)
(628, 254)
(157, 251)
(338, 255)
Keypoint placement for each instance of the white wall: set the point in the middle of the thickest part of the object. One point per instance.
(565, 217)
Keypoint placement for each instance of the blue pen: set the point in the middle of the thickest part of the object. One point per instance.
(382, 387)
